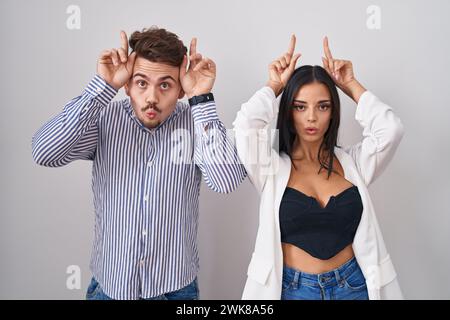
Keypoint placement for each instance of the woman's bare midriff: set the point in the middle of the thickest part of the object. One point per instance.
(296, 258)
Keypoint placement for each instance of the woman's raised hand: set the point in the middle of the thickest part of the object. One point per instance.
(282, 68)
(342, 73)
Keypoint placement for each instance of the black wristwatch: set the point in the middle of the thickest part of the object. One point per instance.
(201, 98)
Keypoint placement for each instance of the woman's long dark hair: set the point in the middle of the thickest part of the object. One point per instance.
(285, 126)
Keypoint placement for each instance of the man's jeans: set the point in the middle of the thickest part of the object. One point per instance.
(190, 292)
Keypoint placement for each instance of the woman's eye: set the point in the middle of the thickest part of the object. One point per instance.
(164, 85)
(298, 108)
(324, 107)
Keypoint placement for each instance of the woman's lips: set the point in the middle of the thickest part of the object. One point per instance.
(311, 131)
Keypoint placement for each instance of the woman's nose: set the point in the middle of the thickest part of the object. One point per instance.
(311, 116)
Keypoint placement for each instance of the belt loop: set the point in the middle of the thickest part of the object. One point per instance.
(339, 280)
(297, 275)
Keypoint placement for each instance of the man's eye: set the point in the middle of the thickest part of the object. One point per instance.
(141, 84)
(165, 85)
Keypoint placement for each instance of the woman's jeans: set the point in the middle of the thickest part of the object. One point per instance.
(190, 292)
(344, 283)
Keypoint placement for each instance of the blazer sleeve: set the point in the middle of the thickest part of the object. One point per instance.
(253, 136)
(382, 133)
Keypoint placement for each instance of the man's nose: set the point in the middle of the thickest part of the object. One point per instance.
(152, 96)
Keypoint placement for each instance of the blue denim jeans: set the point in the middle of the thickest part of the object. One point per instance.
(190, 292)
(346, 282)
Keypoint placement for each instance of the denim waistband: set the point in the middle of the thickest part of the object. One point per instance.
(326, 279)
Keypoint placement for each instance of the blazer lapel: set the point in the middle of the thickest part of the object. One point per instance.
(348, 166)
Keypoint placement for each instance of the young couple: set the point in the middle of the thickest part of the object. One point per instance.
(318, 236)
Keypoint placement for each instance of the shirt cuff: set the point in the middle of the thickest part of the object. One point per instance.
(205, 112)
(363, 106)
(99, 89)
(268, 92)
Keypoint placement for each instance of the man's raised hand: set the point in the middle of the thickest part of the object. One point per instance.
(199, 77)
(115, 66)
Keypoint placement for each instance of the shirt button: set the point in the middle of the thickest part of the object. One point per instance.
(98, 90)
(144, 233)
(150, 163)
(146, 198)
(141, 262)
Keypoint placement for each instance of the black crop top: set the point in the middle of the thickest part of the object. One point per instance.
(322, 232)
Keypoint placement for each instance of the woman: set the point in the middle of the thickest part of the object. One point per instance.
(318, 236)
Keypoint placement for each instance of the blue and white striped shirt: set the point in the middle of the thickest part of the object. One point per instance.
(146, 185)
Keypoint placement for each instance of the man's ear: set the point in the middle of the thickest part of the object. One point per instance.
(181, 95)
(127, 89)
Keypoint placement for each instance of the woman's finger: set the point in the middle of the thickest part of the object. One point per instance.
(326, 65)
(273, 68)
(278, 65)
(288, 58)
(337, 68)
(294, 61)
(283, 62)
(291, 47)
(326, 49)
(338, 65)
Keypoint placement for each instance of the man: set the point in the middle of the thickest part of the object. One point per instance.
(149, 153)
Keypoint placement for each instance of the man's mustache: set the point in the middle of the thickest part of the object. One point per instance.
(151, 106)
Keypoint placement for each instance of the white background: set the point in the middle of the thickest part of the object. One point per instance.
(46, 215)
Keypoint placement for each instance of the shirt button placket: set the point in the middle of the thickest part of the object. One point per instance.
(146, 212)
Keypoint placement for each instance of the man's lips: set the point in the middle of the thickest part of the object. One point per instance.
(151, 114)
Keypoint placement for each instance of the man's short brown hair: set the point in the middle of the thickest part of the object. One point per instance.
(158, 45)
